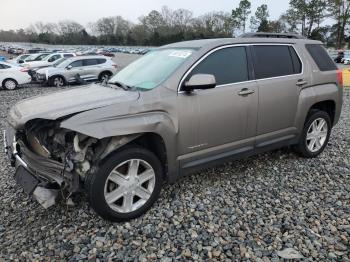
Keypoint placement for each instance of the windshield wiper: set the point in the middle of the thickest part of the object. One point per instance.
(121, 85)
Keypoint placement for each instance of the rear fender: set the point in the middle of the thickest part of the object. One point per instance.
(313, 95)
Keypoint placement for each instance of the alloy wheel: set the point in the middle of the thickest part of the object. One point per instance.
(129, 186)
(317, 135)
(10, 84)
(58, 82)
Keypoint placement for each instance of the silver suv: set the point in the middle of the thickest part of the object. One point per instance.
(180, 108)
(66, 71)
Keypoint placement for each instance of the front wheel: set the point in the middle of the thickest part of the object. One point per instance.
(315, 134)
(57, 81)
(126, 184)
(104, 76)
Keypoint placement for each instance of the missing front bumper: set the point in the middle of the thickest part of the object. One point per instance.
(44, 169)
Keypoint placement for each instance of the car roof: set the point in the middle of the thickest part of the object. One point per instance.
(228, 41)
(87, 57)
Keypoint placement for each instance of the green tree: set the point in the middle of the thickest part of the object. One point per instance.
(260, 22)
(339, 10)
(240, 15)
(307, 14)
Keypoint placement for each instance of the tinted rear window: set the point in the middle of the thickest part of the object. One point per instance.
(90, 62)
(101, 61)
(321, 57)
(274, 61)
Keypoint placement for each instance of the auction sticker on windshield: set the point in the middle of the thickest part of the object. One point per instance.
(181, 54)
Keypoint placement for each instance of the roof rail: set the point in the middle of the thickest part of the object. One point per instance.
(272, 35)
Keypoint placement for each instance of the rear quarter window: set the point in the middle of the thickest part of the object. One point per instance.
(322, 59)
(101, 61)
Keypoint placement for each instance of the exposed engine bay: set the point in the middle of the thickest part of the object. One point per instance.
(75, 154)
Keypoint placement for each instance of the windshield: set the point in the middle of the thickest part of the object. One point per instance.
(152, 69)
(59, 61)
(31, 57)
(41, 57)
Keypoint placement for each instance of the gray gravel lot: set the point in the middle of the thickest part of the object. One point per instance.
(244, 210)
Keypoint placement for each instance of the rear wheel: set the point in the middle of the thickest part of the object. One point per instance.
(104, 76)
(315, 135)
(9, 84)
(126, 184)
(57, 81)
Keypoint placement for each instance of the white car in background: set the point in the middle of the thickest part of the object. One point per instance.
(346, 60)
(19, 59)
(47, 61)
(13, 75)
(36, 57)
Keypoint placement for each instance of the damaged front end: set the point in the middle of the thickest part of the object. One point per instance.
(52, 161)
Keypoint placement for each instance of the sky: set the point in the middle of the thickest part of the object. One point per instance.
(21, 13)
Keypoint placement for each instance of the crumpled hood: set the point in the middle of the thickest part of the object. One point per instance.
(64, 103)
(49, 71)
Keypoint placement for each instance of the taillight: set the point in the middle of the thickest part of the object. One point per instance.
(340, 77)
(25, 70)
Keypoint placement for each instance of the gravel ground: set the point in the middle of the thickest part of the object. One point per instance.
(245, 210)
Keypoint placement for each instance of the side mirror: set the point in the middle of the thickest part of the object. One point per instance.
(69, 67)
(20, 61)
(200, 81)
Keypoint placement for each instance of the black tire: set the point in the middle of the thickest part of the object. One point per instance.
(104, 75)
(9, 84)
(302, 148)
(57, 81)
(95, 183)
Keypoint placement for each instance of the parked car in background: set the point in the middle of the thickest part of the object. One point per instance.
(346, 60)
(106, 53)
(88, 68)
(339, 58)
(36, 57)
(2, 58)
(13, 75)
(19, 59)
(47, 61)
(36, 50)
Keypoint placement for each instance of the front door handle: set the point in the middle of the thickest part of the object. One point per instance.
(246, 92)
(301, 82)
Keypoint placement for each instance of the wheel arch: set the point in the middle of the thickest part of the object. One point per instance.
(327, 106)
(105, 71)
(6, 79)
(56, 75)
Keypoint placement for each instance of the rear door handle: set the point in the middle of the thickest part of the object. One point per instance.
(246, 92)
(301, 82)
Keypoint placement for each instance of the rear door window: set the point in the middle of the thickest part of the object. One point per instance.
(228, 65)
(78, 63)
(321, 57)
(275, 61)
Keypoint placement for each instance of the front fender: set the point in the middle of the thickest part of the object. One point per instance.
(158, 122)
